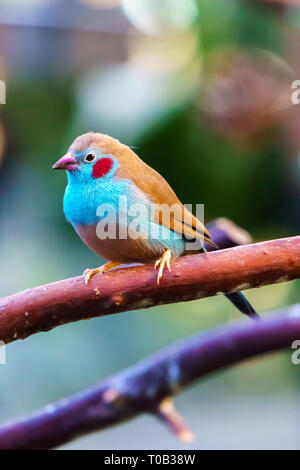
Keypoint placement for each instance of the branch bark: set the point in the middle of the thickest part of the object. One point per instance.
(192, 277)
(150, 384)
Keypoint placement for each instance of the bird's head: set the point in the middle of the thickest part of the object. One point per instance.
(91, 156)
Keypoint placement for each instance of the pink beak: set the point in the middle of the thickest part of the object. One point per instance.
(67, 162)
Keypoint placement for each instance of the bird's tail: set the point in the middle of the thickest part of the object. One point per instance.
(239, 301)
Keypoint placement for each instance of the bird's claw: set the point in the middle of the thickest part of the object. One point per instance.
(88, 273)
(163, 262)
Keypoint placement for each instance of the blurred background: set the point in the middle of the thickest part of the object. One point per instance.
(202, 89)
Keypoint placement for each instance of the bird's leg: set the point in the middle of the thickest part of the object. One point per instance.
(162, 263)
(88, 273)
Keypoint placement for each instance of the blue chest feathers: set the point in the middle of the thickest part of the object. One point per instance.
(81, 202)
(87, 204)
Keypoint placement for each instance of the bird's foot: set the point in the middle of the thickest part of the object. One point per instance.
(162, 263)
(88, 273)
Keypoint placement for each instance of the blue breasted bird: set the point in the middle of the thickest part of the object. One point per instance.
(101, 171)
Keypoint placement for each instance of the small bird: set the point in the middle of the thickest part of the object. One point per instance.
(109, 184)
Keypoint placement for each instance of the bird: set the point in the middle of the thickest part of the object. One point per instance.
(120, 208)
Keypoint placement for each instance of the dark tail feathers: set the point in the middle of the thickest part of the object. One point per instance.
(239, 300)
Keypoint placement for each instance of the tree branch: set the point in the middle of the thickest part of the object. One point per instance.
(227, 234)
(149, 385)
(192, 277)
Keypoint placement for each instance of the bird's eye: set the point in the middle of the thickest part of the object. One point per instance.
(90, 157)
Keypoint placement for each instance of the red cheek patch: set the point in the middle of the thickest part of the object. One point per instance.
(102, 167)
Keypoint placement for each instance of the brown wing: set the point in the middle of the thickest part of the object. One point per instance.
(158, 189)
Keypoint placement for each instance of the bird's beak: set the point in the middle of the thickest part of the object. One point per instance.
(67, 162)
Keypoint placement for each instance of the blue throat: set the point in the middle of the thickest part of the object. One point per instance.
(82, 198)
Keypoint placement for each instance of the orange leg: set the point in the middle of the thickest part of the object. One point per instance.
(163, 262)
(88, 273)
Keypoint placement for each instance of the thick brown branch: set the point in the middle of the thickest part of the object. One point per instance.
(148, 386)
(192, 277)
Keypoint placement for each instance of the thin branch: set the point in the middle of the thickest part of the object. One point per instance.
(192, 277)
(149, 385)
